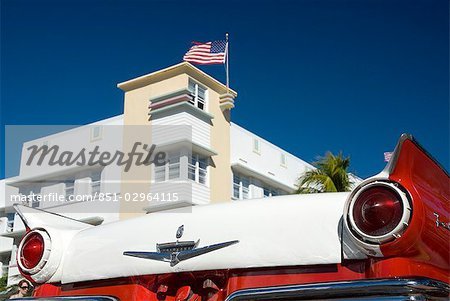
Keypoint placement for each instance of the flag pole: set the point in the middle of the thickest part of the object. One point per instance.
(226, 62)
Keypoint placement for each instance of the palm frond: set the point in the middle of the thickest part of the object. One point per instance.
(330, 175)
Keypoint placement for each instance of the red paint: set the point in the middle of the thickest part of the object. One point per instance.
(176, 286)
(205, 285)
(123, 292)
(423, 246)
(183, 293)
(32, 250)
(242, 279)
(405, 267)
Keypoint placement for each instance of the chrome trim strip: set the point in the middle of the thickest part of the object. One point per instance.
(377, 289)
(390, 166)
(393, 162)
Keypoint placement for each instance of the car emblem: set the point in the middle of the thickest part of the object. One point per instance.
(180, 231)
(174, 252)
(441, 224)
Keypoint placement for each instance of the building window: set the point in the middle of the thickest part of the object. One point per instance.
(241, 187)
(10, 221)
(173, 166)
(283, 160)
(236, 187)
(96, 182)
(256, 146)
(270, 191)
(170, 170)
(197, 168)
(160, 173)
(35, 200)
(69, 190)
(198, 94)
(96, 133)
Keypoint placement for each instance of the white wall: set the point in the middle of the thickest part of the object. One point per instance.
(72, 140)
(2, 193)
(268, 161)
(6, 243)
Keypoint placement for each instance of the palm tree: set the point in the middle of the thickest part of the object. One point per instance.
(330, 175)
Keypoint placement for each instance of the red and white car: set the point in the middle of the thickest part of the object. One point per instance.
(388, 239)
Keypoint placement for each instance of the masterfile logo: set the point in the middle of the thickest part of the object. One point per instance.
(140, 154)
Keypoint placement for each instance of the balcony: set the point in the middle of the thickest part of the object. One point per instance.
(175, 118)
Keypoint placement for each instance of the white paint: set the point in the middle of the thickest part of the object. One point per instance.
(281, 231)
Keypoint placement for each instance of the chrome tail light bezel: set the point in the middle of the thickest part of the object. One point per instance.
(51, 258)
(397, 231)
(45, 256)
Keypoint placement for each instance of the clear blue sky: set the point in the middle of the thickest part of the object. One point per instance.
(312, 76)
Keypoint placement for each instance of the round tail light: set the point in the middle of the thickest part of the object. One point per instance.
(379, 212)
(34, 251)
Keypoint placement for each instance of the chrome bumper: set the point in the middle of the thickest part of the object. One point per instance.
(367, 290)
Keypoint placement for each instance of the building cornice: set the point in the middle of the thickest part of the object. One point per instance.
(181, 68)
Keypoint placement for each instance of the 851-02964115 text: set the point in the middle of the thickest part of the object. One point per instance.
(97, 196)
(139, 197)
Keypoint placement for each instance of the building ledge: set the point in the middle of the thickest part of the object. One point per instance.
(6, 251)
(185, 142)
(271, 180)
(22, 180)
(226, 101)
(167, 206)
(182, 107)
(169, 95)
(14, 234)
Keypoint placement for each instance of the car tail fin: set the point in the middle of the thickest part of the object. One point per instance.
(411, 163)
(35, 218)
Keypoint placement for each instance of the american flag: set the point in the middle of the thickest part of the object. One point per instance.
(207, 53)
(387, 156)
